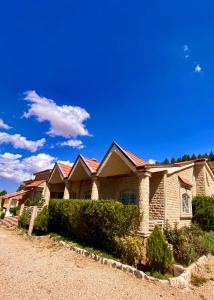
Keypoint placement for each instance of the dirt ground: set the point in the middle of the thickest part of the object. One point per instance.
(41, 269)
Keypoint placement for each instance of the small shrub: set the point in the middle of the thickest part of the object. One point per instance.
(159, 252)
(24, 220)
(14, 210)
(203, 212)
(189, 243)
(129, 249)
(2, 215)
(41, 221)
(37, 200)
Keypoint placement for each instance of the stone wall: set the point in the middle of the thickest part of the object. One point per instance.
(157, 196)
(79, 187)
(111, 187)
(209, 183)
(199, 171)
(173, 197)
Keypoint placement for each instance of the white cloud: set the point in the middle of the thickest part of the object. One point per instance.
(14, 168)
(186, 51)
(3, 125)
(65, 120)
(186, 48)
(198, 68)
(17, 169)
(65, 162)
(152, 161)
(73, 143)
(20, 142)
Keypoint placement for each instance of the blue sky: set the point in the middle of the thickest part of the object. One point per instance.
(137, 72)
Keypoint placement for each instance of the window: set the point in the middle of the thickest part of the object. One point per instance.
(87, 195)
(186, 204)
(128, 197)
(73, 195)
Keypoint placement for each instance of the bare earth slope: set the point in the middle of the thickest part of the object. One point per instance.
(40, 269)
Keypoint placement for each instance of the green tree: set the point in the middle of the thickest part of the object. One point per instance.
(3, 192)
(20, 187)
(166, 161)
(159, 253)
(193, 157)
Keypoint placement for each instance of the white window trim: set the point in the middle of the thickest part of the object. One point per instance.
(183, 213)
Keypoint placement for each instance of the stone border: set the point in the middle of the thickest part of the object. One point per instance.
(181, 281)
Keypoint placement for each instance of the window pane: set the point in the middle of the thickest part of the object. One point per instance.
(128, 197)
(185, 204)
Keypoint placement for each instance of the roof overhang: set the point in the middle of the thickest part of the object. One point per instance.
(115, 163)
(56, 175)
(80, 170)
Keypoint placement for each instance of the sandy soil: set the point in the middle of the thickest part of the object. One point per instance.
(41, 269)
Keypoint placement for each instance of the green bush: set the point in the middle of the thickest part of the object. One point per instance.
(24, 220)
(41, 221)
(130, 249)
(94, 222)
(14, 210)
(189, 243)
(203, 212)
(159, 253)
(37, 200)
(2, 215)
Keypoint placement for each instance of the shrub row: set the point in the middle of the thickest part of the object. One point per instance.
(95, 222)
(203, 212)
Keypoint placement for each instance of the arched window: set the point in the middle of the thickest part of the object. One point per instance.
(186, 204)
(128, 197)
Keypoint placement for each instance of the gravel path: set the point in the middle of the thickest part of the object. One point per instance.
(41, 269)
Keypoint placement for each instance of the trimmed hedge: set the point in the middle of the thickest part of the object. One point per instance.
(41, 221)
(95, 222)
(203, 212)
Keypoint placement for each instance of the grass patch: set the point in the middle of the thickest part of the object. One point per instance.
(198, 280)
(82, 245)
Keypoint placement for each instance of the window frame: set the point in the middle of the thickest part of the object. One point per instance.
(183, 205)
(129, 201)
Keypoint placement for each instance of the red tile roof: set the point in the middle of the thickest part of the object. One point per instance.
(65, 169)
(139, 162)
(33, 184)
(92, 163)
(16, 195)
(185, 181)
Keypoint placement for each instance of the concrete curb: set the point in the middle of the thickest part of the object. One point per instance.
(182, 281)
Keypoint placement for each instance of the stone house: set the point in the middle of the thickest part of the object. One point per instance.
(162, 192)
(36, 187)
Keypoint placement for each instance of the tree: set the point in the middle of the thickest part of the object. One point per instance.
(3, 192)
(173, 160)
(166, 161)
(20, 187)
(193, 157)
(159, 253)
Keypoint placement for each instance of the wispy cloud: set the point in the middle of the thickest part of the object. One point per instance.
(186, 51)
(73, 143)
(152, 161)
(198, 68)
(20, 142)
(4, 125)
(65, 120)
